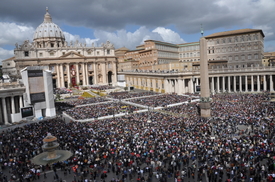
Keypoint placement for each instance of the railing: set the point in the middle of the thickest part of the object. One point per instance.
(11, 85)
(197, 71)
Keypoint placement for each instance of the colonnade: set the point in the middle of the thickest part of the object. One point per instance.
(9, 106)
(250, 82)
(218, 84)
(85, 73)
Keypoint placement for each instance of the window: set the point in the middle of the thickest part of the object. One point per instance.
(78, 52)
(236, 39)
(256, 56)
(249, 56)
(97, 52)
(108, 51)
(26, 53)
(63, 53)
(236, 58)
(230, 58)
(242, 38)
(229, 40)
(51, 54)
(52, 45)
(243, 57)
(40, 54)
(89, 53)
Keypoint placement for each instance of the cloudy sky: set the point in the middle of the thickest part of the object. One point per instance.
(129, 22)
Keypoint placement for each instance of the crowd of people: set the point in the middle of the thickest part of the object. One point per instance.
(101, 87)
(161, 100)
(127, 95)
(235, 144)
(62, 91)
(100, 110)
(85, 101)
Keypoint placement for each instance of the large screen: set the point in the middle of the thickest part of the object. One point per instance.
(36, 86)
(26, 112)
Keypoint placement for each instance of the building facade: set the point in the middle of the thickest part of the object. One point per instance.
(11, 100)
(72, 63)
(234, 61)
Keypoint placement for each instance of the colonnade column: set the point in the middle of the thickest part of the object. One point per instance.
(228, 84)
(212, 84)
(180, 86)
(240, 84)
(77, 73)
(83, 74)
(62, 84)
(252, 83)
(5, 111)
(21, 101)
(246, 84)
(223, 84)
(166, 86)
(191, 86)
(176, 86)
(183, 86)
(12, 105)
(235, 83)
(218, 84)
(87, 74)
(271, 83)
(68, 75)
(104, 73)
(95, 74)
(258, 83)
(114, 80)
(58, 76)
(264, 79)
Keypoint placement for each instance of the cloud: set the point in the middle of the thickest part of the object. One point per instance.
(4, 54)
(73, 38)
(123, 38)
(169, 35)
(12, 33)
(112, 16)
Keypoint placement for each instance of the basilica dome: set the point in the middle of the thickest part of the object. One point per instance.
(48, 30)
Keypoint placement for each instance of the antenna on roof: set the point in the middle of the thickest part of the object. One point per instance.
(201, 30)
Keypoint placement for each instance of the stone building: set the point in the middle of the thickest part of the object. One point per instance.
(71, 63)
(234, 61)
(11, 100)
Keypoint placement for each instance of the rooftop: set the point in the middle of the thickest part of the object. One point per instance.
(234, 32)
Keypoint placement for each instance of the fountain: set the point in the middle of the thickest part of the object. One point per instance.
(50, 154)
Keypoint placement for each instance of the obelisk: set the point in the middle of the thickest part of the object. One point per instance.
(205, 108)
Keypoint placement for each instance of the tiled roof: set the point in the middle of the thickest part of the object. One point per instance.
(234, 32)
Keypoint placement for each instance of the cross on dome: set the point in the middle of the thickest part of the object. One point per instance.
(47, 17)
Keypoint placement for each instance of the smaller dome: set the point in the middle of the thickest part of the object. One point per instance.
(48, 29)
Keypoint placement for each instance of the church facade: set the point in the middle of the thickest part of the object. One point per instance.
(71, 64)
